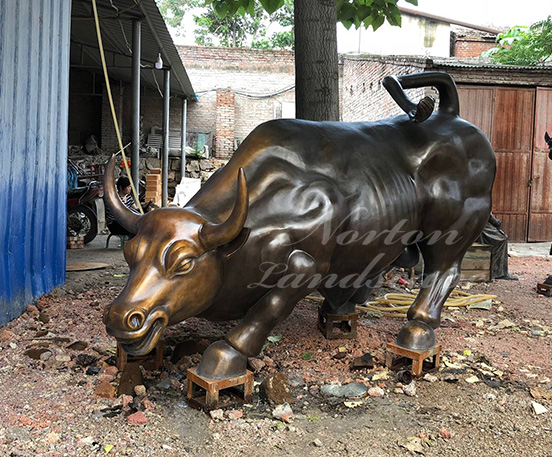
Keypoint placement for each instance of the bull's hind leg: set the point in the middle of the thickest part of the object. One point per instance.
(339, 300)
(442, 259)
(228, 358)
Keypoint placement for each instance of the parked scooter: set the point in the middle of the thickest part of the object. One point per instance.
(82, 219)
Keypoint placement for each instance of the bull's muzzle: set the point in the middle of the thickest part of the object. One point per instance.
(137, 330)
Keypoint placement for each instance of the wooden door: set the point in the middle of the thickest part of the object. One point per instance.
(477, 106)
(495, 111)
(540, 215)
(512, 140)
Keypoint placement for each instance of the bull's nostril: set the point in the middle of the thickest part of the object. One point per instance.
(135, 320)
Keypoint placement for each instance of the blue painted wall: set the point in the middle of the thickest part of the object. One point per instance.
(34, 88)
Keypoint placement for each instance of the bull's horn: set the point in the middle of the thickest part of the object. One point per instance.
(121, 213)
(215, 235)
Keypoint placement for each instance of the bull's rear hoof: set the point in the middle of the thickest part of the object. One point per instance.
(417, 336)
(222, 361)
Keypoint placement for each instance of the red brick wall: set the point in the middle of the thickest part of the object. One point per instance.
(472, 47)
(224, 132)
(237, 59)
(259, 79)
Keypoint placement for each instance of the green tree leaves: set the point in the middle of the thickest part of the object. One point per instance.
(235, 22)
(524, 45)
(369, 13)
(271, 5)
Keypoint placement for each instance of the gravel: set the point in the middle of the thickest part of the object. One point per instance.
(49, 406)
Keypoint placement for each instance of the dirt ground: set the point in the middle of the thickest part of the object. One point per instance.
(491, 395)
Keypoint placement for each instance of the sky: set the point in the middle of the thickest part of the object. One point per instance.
(496, 13)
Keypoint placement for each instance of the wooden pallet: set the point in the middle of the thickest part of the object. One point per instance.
(544, 289)
(417, 357)
(338, 326)
(211, 399)
(151, 361)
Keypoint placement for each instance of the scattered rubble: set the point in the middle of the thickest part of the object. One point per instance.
(283, 412)
(63, 394)
(351, 390)
(276, 389)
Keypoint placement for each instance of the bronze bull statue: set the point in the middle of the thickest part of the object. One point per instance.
(321, 206)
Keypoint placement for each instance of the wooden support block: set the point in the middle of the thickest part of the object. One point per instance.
(476, 265)
(155, 171)
(338, 326)
(417, 357)
(150, 361)
(213, 387)
(544, 289)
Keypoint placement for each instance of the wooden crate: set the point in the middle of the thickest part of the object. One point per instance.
(476, 265)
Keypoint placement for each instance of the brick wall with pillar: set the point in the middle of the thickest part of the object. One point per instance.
(109, 137)
(224, 130)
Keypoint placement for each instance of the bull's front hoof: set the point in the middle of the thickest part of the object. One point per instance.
(222, 361)
(417, 336)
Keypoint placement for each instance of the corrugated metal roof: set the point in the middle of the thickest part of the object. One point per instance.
(116, 18)
(34, 90)
(479, 63)
(448, 20)
(452, 62)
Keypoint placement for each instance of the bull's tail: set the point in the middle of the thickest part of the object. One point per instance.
(443, 82)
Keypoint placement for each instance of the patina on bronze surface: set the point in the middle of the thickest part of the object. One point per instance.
(305, 206)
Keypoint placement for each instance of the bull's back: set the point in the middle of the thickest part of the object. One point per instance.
(379, 164)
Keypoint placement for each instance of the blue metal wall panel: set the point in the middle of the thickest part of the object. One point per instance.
(34, 89)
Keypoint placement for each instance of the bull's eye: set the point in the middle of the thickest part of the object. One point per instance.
(183, 267)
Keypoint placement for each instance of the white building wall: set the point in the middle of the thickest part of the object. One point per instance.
(416, 37)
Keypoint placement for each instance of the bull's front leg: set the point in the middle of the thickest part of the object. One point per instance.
(228, 358)
(425, 313)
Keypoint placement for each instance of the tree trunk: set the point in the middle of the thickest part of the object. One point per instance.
(316, 65)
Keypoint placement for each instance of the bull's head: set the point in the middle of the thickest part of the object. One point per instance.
(175, 266)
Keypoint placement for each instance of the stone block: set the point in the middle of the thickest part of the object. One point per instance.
(192, 166)
(206, 165)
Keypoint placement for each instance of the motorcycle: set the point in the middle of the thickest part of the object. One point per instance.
(83, 205)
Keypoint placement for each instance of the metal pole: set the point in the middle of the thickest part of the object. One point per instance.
(183, 139)
(136, 54)
(165, 157)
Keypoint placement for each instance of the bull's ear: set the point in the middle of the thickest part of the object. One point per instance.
(229, 249)
(546, 137)
(214, 235)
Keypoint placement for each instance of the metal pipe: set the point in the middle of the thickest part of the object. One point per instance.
(183, 139)
(165, 157)
(136, 55)
(166, 50)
